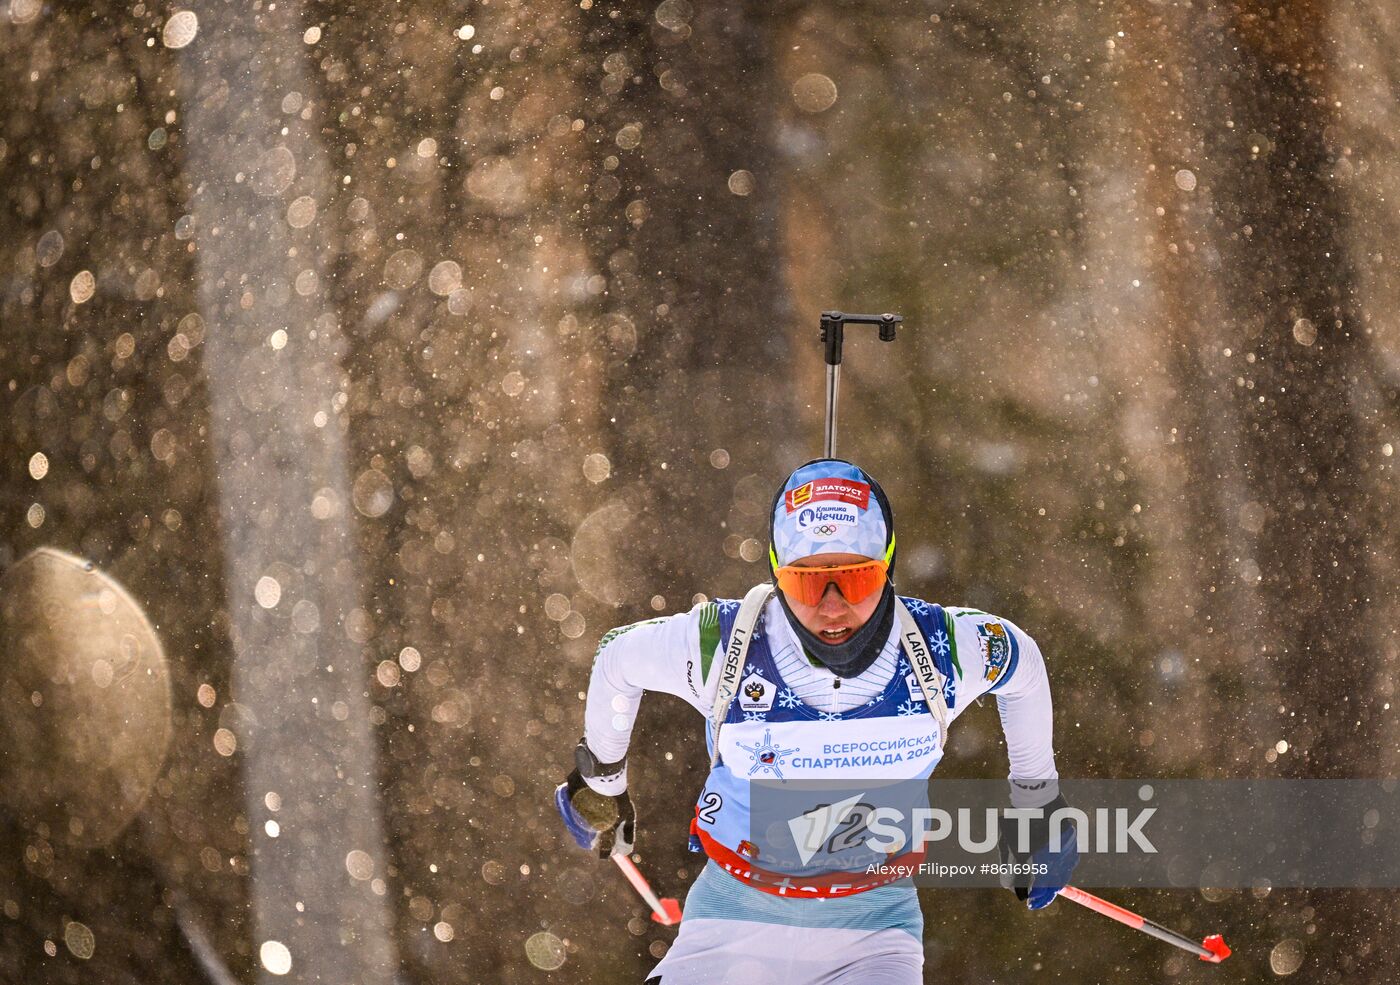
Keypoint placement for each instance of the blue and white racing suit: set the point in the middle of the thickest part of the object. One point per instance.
(794, 719)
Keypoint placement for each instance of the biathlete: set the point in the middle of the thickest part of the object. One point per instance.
(831, 658)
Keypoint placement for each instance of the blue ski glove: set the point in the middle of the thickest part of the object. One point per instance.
(596, 821)
(1039, 891)
(607, 838)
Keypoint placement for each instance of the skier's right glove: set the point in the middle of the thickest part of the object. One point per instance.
(1055, 865)
(597, 822)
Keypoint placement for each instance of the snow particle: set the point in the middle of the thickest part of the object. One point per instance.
(629, 137)
(402, 270)
(35, 516)
(312, 35)
(180, 29)
(1186, 180)
(301, 212)
(445, 277)
(674, 15)
(225, 742)
(410, 659)
(814, 93)
(513, 384)
(82, 287)
(427, 147)
(443, 931)
(741, 183)
(274, 172)
(1387, 449)
(307, 283)
(272, 828)
(1304, 332)
(466, 32)
(24, 11)
(1286, 957)
(102, 673)
(206, 696)
(557, 607)
(596, 467)
(545, 951)
(49, 248)
(326, 503)
(493, 872)
(273, 800)
(79, 940)
(373, 493)
(573, 625)
(387, 673)
(359, 625)
(275, 957)
(359, 865)
(719, 458)
(268, 592)
(38, 465)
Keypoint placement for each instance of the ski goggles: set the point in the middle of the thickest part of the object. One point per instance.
(856, 582)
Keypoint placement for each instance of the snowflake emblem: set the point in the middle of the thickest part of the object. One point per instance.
(917, 606)
(902, 666)
(787, 698)
(727, 606)
(910, 707)
(939, 642)
(766, 755)
(754, 716)
(750, 670)
(829, 716)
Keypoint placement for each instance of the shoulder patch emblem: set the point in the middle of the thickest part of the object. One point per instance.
(995, 644)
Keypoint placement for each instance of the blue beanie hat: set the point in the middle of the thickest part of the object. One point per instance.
(830, 506)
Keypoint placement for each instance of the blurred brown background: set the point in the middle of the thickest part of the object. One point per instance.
(390, 353)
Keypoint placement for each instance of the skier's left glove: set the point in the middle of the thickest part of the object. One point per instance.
(1039, 890)
(598, 822)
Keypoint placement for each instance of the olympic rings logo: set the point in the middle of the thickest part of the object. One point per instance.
(825, 530)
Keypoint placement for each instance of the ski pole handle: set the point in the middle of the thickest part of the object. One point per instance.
(1212, 949)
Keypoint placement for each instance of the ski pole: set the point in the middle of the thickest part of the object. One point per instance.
(833, 334)
(666, 912)
(1212, 949)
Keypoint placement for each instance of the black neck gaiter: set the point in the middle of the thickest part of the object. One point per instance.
(854, 656)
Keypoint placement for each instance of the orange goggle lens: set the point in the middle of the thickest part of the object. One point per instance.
(854, 581)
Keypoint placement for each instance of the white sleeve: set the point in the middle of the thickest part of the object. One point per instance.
(997, 656)
(1027, 719)
(656, 655)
